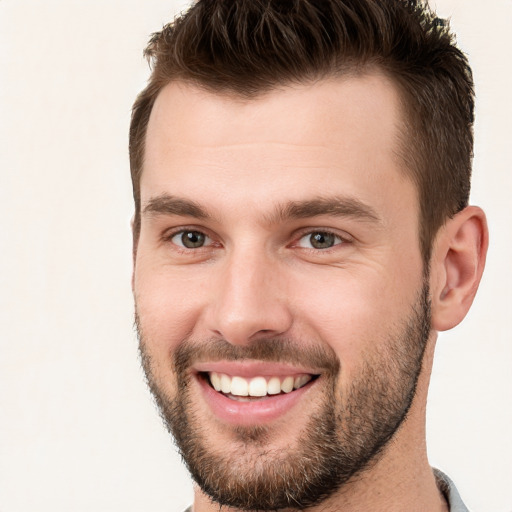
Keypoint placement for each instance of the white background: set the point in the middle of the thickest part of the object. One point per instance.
(78, 429)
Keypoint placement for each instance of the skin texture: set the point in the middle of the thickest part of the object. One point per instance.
(245, 174)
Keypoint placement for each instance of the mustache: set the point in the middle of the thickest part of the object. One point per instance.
(280, 350)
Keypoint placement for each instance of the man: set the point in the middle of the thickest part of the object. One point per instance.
(302, 232)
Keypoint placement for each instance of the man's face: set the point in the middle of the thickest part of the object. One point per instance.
(279, 287)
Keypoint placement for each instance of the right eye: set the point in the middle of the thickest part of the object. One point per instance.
(320, 240)
(190, 239)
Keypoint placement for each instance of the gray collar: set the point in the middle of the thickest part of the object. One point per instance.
(447, 487)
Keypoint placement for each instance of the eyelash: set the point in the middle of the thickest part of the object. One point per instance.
(340, 240)
(167, 237)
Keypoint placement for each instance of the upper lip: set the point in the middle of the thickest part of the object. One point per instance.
(248, 369)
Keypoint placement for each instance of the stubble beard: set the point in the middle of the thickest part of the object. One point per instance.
(342, 438)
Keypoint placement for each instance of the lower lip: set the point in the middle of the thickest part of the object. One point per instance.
(255, 412)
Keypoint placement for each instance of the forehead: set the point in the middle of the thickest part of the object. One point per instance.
(354, 102)
(297, 140)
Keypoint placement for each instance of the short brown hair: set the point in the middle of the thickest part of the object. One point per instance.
(248, 47)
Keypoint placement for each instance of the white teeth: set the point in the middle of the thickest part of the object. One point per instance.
(274, 386)
(215, 380)
(287, 385)
(225, 384)
(257, 386)
(301, 381)
(239, 386)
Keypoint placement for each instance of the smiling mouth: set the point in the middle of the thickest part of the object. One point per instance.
(256, 388)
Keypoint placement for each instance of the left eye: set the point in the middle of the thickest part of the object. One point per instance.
(320, 240)
(191, 239)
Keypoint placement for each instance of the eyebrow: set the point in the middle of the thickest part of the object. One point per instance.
(166, 204)
(338, 206)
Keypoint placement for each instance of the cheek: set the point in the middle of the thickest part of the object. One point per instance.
(167, 307)
(354, 314)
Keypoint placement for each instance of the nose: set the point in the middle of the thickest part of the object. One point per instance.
(249, 300)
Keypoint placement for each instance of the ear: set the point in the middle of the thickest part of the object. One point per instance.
(456, 266)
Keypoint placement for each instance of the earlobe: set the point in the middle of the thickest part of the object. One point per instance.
(457, 265)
